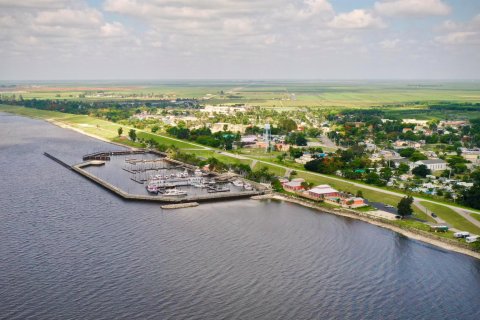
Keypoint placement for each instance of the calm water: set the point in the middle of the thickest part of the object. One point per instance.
(70, 250)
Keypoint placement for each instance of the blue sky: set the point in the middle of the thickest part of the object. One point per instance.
(239, 39)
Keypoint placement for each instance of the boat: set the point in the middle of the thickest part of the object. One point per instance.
(218, 189)
(174, 192)
(198, 172)
(248, 186)
(151, 188)
(238, 183)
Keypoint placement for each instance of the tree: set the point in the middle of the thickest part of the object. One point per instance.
(287, 125)
(373, 178)
(405, 206)
(120, 131)
(421, 171)
(403, 168)
(155, 128)
(132, 134)
(359, 194)
(417, 155)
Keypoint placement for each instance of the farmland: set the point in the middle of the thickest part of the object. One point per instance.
(278, 94)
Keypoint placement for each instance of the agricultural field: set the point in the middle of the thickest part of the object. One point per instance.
(292, 94)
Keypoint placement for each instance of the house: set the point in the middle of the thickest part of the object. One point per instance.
(294, 185)
(353, 202)
(407, 144)
(432, 164)
(397, 162)
(415, 121)
(304, 158)
(323, 191)
(389, 154)
(223, 126)
(472, 155)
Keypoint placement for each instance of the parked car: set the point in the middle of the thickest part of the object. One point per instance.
(388, 206)
(433, 215)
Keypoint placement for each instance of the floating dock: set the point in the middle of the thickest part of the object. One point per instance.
(180, 205)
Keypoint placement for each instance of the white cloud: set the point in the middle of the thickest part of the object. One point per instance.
(114, 29)
(412, 8)
(356, 19)
(390, 44)
(34, 4)
(456, 33)
(459, 37)
(69, 17)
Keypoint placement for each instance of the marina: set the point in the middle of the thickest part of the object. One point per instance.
(145, 175)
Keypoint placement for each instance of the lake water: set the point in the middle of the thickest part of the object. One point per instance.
(71, 250)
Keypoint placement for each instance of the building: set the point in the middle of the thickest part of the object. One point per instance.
(304, 159)
(397, 162)
(294, 185)
(433, 164)
(223, 109)
(415, 121)
(472, 155)
(221, 126)
(322, 192)
(353, 202)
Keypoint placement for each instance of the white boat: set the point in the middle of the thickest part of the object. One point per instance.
(198, 172)
(238, 183)
(248, 186)
(218, 189)
(174, 192)
(152, 188)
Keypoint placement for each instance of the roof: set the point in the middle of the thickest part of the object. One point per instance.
(293, 183)
(323, 189)
(432, 161)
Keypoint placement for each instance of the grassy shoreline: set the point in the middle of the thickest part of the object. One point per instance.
(81, 123)
(107, 131)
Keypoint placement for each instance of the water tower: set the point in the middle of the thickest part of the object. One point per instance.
(267, 136)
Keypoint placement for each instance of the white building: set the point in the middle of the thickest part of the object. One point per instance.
(433, 164)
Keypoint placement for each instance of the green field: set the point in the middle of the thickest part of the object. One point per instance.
(279, 94)
(451, 217)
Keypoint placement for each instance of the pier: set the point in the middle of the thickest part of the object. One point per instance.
(159, 198)
(95, 159)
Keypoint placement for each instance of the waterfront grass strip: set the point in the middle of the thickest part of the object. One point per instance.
(451, 217)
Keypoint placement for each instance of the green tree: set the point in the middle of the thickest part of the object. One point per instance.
(287, 125)
(373, 178)
(405, 206)
(155, 128)
(417, 155)
(421, 171)
(403, 168)
(120, 131)
(132, 134)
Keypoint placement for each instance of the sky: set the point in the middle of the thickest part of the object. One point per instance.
(239, 39)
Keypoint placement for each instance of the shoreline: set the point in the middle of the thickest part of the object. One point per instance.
(418, 235)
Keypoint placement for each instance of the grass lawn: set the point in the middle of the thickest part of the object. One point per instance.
(453, 218)
(475, 216)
